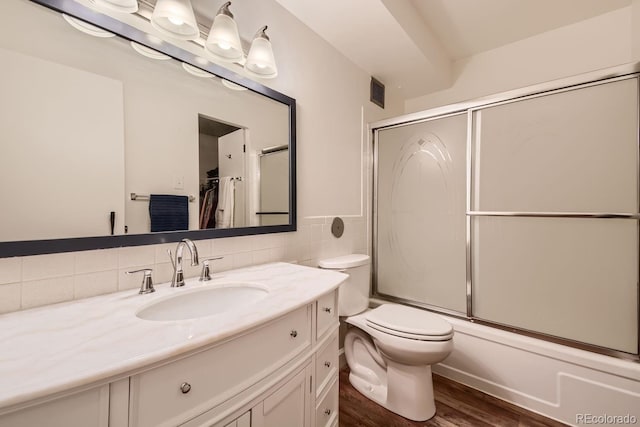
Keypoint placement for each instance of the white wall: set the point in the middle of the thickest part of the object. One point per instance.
(600, 42)
(635, 29)
(62, 145)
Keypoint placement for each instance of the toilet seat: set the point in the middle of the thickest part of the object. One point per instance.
(408, 335)
(408, 322)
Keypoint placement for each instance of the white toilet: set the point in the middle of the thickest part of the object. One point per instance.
(392, 347)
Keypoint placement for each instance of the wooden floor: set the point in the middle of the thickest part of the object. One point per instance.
(456, 405)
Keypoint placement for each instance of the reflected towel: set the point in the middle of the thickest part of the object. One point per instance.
(224, 211)
(168, 212)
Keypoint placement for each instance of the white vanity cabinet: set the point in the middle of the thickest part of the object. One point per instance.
(278, 369)
(326, 362)
(89, 408)
(279, 375)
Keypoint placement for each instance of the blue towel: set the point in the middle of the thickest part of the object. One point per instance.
(168, 212)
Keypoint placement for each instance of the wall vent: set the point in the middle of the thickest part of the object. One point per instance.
(377, 92)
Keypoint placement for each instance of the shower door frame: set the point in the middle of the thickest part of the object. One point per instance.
(624, 72)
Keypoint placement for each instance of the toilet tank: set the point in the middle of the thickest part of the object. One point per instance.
(353, 294)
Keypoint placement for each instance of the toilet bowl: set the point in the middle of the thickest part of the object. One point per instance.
(389, 349)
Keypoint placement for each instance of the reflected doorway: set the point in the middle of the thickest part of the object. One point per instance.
(221, 157)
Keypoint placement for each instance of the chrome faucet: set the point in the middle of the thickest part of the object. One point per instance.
(178, 274)
(205, 276)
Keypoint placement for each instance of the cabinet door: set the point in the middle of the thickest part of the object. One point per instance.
(85, 409)
(288, 406)
(242, 421)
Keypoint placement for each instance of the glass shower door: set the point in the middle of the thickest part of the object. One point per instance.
(420, 202)
(554, 214)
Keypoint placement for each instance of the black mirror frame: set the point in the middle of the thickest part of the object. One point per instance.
(38, 247)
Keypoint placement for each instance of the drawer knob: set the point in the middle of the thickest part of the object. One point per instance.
(294, 334)
(327, 364)
(185, 388)
(327, 309)
(327, 411)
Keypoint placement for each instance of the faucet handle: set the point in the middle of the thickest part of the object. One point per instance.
(205, 276)
(173, 264)
(147, 282)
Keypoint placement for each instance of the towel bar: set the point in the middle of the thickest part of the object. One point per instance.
(135, 196)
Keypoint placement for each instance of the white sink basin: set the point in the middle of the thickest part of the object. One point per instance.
(202, 302)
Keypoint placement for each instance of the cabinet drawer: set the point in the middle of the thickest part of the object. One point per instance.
(173, 393)
(326, 364)
(327, 314)
(327, 409)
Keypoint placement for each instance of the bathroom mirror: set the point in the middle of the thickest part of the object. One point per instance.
(94, 126)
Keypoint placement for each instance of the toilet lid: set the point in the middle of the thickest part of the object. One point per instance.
(346, 261)
(408, 322)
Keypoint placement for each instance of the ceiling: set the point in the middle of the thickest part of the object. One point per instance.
(411, 44)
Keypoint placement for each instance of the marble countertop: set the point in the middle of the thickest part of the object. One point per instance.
(63, 346)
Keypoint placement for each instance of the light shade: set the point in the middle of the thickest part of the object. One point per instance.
(224, 40)
(232, 85)
(126, 6)
(87, 28)
(175, 18)
(260, 60)
(148, 52)
(195, 71)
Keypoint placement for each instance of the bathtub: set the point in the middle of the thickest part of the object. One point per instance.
(570, 385)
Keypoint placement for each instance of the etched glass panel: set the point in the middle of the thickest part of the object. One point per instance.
(421, 237)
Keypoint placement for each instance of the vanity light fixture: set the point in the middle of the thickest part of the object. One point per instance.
(260, 60)
(175, 18)
(148, 52)
(86, 28)
(125, 6)
(224, 40)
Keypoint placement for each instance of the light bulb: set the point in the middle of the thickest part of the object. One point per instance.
(175, 18)
(260, 60)
(223, 40)
(175, 21)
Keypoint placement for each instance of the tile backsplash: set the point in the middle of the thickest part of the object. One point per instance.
(32, 281)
